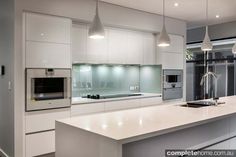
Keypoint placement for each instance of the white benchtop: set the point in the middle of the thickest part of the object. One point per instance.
(80, 100)
(136, 123)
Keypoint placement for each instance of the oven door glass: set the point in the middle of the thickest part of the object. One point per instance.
(48, 88)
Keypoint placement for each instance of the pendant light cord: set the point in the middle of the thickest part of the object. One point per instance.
(163, 12)
(97, 7)
(207, 13)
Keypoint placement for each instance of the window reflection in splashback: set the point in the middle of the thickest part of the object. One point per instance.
(114, 79)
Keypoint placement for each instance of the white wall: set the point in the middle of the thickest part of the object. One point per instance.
(82, 11)
(6, 59)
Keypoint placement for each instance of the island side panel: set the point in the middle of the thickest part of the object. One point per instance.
(192, 138)
(75, 142)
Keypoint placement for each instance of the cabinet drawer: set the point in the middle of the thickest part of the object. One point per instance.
(120, 105)
(77, 110)
(46, 28)
(47, 55)
(151, 101)
(40, 143)
(44, 120)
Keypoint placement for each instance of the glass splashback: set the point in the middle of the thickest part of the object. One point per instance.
(115, 79)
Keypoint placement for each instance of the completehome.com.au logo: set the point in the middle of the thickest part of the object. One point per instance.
(200, 153)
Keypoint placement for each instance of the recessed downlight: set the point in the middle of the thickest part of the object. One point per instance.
(217, 16)
(176, 4)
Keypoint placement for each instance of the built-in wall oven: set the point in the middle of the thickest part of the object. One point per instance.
(48, 89)
(172, 84)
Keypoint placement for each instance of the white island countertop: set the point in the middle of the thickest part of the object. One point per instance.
(133, 124)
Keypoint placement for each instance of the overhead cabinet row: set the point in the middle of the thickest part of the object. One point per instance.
(118, 47)
(54, 42)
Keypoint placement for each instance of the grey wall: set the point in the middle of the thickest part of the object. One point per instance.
(6, 59)
(225, 30)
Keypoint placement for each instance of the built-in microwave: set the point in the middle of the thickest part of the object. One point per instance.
(172, 84)
(48, 89)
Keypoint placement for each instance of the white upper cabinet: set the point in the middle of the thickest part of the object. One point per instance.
(149, 49)
(117, 46)
(47, 41)
(79, 43)
(176, 45)
(47, 28)
(47, 55)
(172, 57)
(97, 50)
(135, 48)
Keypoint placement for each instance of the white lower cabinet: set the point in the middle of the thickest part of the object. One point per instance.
(151, 101)
(120, 105)
(40, 143)
(44, 120)
(77, 110)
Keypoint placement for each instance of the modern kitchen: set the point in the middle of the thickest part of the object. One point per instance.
(117, 78)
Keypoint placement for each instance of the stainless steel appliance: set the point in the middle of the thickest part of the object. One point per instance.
(172, 84)
(48, 89)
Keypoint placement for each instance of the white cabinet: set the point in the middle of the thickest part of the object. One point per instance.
(47, 55)
(97, 50)
(47, 41)
(151, 101)
(46, 28)
(149, 49)
(170, 60)
(77, 110)
(40, 143)
(135, 48)
(79, 43)
(44, 120)
(172, 57)
(176, 45)
(117, 46)
(121, 105)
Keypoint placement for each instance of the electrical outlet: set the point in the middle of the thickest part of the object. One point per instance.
(131, 88)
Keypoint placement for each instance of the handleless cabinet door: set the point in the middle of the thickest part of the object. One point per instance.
(40, 143)
(46, 28)
(79, 43)
(47, 55)
(149, 49)
(98, 50)
(117, 46)
(135, 48)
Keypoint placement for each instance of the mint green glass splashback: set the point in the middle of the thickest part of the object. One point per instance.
(114, 79)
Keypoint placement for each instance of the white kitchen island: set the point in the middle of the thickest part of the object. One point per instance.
(147, 132)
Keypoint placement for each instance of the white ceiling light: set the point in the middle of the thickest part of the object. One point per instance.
(164, 39)
(206, 45)
(176, 4)
(96, 29)
(217, 16)
(234, 49)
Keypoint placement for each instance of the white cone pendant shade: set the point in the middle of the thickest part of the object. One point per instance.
(206, 45)
(234, 49)
(96, 29)
(164, 39)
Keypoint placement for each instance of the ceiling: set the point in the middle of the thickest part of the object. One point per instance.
(191, 11)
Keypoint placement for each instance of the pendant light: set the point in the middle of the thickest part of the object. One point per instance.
(206, 45)
(96, 29)
(234, 49)
(164, 39)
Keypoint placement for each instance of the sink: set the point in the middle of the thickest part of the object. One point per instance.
(198, 104)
